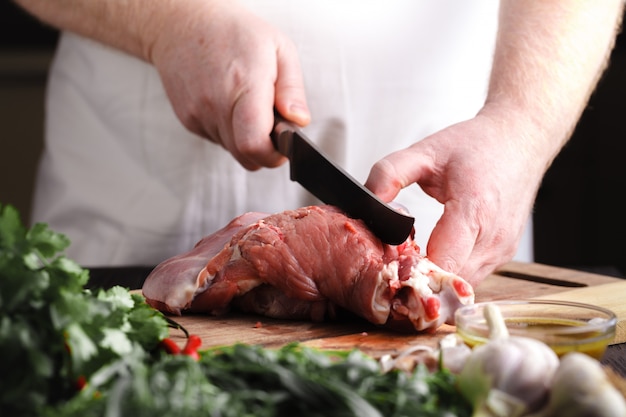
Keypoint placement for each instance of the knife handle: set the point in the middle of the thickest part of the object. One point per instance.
(282, 134)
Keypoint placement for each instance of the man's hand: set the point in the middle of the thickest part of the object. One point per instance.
(224, 70)
(486, 184)
(486, 171)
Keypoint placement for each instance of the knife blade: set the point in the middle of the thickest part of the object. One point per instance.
(330, 183)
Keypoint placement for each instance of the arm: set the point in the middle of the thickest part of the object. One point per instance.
(125, 25)
(549, 58)
(223, 68)
(487, 170)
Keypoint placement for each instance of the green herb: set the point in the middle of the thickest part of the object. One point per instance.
(244, 380)
(53, 332)
(65, 351)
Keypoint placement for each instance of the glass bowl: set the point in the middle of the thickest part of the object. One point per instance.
(564, 326)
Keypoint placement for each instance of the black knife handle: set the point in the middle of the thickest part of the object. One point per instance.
(282, 134)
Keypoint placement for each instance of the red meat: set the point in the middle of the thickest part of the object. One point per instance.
(304, 264)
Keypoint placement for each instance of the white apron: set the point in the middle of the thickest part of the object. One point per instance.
(129, 185)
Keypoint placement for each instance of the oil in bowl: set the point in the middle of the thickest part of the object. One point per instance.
(564, 326)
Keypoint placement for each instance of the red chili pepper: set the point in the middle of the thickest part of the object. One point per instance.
(170, 346)
(193, 342)
(81, 382)
(191, 348)
(193, 354)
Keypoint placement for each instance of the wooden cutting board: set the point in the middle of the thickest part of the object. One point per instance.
(514, 281)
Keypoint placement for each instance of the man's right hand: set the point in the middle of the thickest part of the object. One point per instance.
(224, 70)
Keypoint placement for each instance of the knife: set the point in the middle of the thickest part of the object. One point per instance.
(334, 186)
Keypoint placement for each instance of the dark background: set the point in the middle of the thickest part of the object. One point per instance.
(579, 217)
(19, 30)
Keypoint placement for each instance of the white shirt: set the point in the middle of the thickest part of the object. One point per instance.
(129, 185)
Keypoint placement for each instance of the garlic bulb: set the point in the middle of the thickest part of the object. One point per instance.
(508, 376)
(581, 388)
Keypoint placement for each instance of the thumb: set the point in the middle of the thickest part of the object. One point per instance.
(397, 170)
(290, 98)
(451, 241)
(383, 180)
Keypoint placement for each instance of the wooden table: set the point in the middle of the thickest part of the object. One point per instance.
(514, 281)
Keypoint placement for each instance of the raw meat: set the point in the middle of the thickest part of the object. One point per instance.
(307, 264)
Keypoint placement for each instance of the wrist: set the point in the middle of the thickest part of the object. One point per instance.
(536, 138)
(175, 20)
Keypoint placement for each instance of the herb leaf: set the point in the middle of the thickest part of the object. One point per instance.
(69, 352)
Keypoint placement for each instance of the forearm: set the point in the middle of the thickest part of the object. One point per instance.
(131, 26)
(549, 57)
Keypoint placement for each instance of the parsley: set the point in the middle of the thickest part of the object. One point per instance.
(53, 332)
(243, 380)
(66, 351)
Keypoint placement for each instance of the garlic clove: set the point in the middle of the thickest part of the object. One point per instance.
(519, 367)
(581, 388)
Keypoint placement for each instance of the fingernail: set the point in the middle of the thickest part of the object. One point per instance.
(299, 113)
